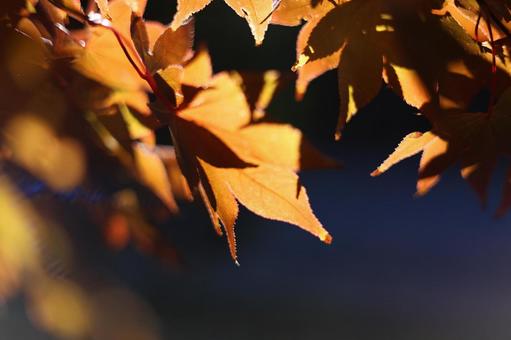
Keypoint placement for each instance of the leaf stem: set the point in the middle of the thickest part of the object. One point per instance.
(139, 66)
(95, 19)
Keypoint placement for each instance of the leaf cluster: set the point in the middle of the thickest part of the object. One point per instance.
(88, 87)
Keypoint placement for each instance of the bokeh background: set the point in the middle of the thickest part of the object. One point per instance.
(400, 267)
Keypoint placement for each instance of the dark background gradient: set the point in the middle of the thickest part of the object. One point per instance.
(400, 267)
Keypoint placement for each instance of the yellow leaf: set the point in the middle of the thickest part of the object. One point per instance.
(185, 9)
(274, 193)
(153, 174)
(254, 11)
(411, 145)
(222, 202)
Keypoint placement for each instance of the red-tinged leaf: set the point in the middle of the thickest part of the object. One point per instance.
(173, 47)
(117, 232)
(185, 9)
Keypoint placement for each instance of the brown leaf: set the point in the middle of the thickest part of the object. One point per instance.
(475, 139)
(313, 69)
(360, 78)
(173, 47)
(140, 37)
(169, 80)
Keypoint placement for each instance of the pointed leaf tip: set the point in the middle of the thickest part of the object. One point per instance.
(376, 173)
(337, 136)
(327, 239)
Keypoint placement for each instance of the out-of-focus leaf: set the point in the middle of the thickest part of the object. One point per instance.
(60, 162)
(17, 240)
(60, 307)
(152, 173)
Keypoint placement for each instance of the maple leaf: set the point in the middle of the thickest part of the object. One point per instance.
(468, 14)
(226, 160)
(313, 69)
(103, 59)
(271, 192)
(475, 139)
(258, 13)
(373, 40)
(292, 12)
(254, 11)
(17, 253)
